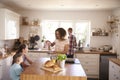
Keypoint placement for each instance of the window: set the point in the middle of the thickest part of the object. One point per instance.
(48, 29)
(82, 32)
(81, 29)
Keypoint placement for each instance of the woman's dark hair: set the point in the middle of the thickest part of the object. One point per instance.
(15, 57)
(61, 31)
(21, 47)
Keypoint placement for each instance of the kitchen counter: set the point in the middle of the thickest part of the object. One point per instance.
(93, 52)
(115, 60)
(7, 55)
(77, 52)
(39, 50)
(71, 72)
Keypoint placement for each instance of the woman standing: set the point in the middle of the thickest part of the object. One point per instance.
(61, 44)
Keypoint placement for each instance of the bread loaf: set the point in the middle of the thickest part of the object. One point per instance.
(56, 67)
(49, 63)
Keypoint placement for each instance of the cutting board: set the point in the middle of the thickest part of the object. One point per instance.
(51, 69)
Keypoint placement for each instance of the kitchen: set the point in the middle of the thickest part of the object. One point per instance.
(97, 17)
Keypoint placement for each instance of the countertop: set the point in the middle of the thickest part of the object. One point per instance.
(93, 52)
(71, 72)
(39, 50)
(77, 52)
(115, 60)
(7, 55)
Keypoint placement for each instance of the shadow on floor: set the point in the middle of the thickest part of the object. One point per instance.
(92, 79)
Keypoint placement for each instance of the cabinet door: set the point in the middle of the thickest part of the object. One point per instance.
(9, 24)
(6, 67)
(114, 71)
(12, 26)
(35, 55)
(44, 55)
(0, 69)
(90, 63)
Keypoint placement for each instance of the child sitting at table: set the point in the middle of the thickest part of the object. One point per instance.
(16, 69)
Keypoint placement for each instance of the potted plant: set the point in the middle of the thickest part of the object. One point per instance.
(61, 60)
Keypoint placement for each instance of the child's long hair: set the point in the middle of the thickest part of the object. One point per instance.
(15, 57)
(21, 47)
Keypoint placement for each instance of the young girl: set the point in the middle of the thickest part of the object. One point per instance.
(24, 49)
(16, 69)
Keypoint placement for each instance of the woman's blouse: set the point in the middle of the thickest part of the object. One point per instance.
(59, 45)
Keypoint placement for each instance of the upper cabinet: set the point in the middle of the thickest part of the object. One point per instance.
(9, 24)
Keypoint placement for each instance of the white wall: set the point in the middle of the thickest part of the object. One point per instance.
(116, 36)
(98, 19)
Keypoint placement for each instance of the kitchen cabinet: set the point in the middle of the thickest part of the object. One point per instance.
(9, 24)
(0, 69)
(118, 41)
(6, 64)
(104, 65)
(90, 63)
(36, 55)
(114, 71)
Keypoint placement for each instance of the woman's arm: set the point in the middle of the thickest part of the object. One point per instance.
(66, 48)
(29, 61)
(52, 44)
(23, 64)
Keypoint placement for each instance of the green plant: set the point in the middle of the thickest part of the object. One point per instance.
(43, 39)
(61, 57)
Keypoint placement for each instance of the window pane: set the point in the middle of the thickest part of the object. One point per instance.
(48, 29)
(82, 32)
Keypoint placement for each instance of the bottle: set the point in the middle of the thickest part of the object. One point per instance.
(3, 52)
(79, 43)
(6, 47)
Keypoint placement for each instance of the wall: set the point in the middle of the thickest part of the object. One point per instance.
(116, 36)
(98, 20)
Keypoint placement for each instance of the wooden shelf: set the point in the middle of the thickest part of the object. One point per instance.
(99, 34)
(110, 22)
(31, 25)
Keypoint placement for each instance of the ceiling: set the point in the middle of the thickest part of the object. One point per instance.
(62, 4)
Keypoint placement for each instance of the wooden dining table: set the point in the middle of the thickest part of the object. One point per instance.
(70, 72)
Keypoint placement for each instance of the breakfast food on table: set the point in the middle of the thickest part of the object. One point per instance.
(56, 67)
(51, 66)
(49, 63)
